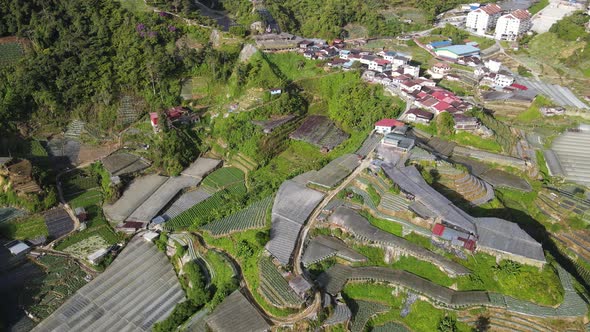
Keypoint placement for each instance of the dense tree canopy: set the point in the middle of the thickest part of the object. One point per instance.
(84, 52)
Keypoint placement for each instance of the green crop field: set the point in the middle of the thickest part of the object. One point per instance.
(10, 52)
(254, 216)
(205, 210)
(24, 228)
(73, 183)
(422, 317)
(224, 177)
(85, 199)
(62, 279)
(96, 226)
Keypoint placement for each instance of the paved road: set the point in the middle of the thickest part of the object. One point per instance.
(298, 251)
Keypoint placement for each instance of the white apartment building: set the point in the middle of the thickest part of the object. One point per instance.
(483, 19)
(503, 79)
(511, 26)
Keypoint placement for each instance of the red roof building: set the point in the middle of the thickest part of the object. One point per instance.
(154, 119)
(174, 113)
(441, 106)
(388, 123)
(438, 229)
(519, 86)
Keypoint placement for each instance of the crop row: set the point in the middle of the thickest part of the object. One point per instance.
(277, 284)
(363, 311)
(224, 177)
(254, 216)
(205, 210)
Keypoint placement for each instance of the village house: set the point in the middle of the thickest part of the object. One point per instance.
(154, 118)
(503, 79)
(380, 65)
(552, 111)
(385, 126)
(513, 25)
(467, 123)
(398, 142)
(439, 70)
(417, 115)
(410, 86)
(413, 71)
(483, 19)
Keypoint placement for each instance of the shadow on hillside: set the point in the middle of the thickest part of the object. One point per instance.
(529, 224)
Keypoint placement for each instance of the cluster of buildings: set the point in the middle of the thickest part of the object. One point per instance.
(490, 18)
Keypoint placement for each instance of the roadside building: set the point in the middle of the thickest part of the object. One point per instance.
(513, 25)
(300, 286)
(380, 65)
(150, 236)
(96, 257)
(17, 247)
(275, 91)
(418, 115)
(413, 71)
(81, 214)
(492, 65)
(455, 52)
(483, 18)
(552, 111)
(503, 78)
(438, 44)
(467, 123)
(385, 126)
(398, 142)
(439, 69)
(154, 120)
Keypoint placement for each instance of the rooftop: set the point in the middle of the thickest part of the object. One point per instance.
(459, 49)
(388, 123)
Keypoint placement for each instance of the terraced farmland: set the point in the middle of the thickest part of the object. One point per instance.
(275, 288)
(63, 278)
(362, 311)
(224, 177)
(254, 216)
(202, 212)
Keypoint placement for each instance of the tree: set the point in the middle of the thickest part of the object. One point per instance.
(482, 324)
(445, 124)
(195, 288)
(447, 324)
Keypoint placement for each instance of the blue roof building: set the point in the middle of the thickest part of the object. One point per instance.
(442, 43)
(457, 51)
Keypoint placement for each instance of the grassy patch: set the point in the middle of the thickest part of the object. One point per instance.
(538, 6)
(223, 271)
(85, 199)
(457, 88)
(423, 316)
(468, 139)
(533, 113)
(385, 225)
(423, 269)
(525, 285)
(24, 228)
